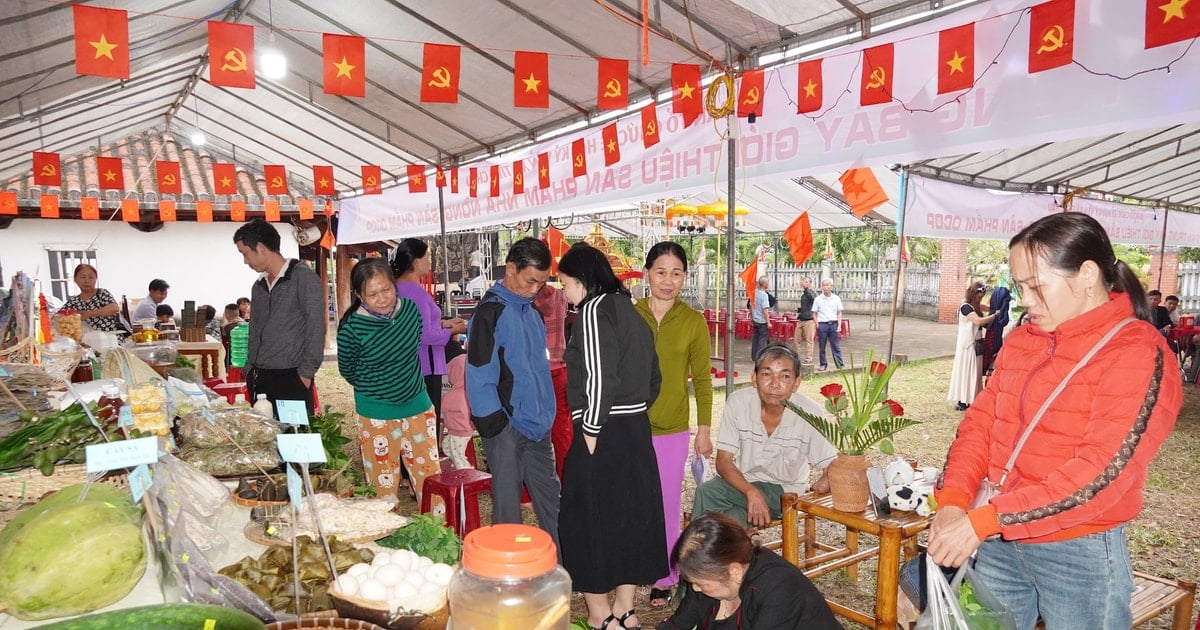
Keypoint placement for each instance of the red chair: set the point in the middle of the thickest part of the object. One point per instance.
(454, 486)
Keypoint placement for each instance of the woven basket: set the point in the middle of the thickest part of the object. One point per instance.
(322, 622)
(21, 352)
(19, 490)
(60, 364)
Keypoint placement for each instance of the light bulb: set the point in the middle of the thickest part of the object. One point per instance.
(274, 64)
(197, 139)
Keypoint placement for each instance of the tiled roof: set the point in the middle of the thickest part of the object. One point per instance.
(138, 154)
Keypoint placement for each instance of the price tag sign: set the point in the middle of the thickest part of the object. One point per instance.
(125, 454)
(4, 372)
(140, 481)
(292, 412)
(295, 486)
(125, 416)
(301, 448)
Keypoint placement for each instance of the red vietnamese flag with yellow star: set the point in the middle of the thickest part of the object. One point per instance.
(650, 134)
(110, 172)
(612, 84)
(372, 179)
(578, 158)
(323, 183)
(305, 209)
(101, 41)
(130, 212)
(1051, 35)
(231, 54)
(47, 169)
(454, 180)
(686, 93)
(612, 145)
(224, 179)
(166, 210)
(237, 211)
(799, 238)
(169, 181)
(876, 84)
(204, 211)
(439, 73)
(749, 277)
(49, 206)
(543, 166)
(89, 208)
(271, 210)
(473, 182)
(494, 181)
(276, 177)
(8, 202)
(956, 58)
(1170, 21)
(345, 61)
(440, 177)
(531, 79)
(518, 177)
(416, 178)
(809, 94)
(750, 94)
(862, 191)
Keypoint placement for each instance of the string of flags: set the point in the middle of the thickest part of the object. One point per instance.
(102, 49)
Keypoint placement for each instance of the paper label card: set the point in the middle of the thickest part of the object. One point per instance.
(140, 481)
(125, 416)
(292, 412)
(296, 487)
(124, 454)
(301, 448)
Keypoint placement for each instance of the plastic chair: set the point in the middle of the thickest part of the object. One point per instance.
(454, 486)
(844, 329)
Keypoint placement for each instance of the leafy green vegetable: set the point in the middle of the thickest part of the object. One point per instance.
(60, 437)
(329, 425)
(427, 536)
(979, 616)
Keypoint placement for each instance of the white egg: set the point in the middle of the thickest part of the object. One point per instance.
(373, 590)
(347, 585)
(431, 587)
(390, 574)
(358, 569)
(404, 558)
(439, 574)
(415, 578)
(403, 590)
(382, 557)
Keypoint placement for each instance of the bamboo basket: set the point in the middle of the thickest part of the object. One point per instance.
(21, 352)
(21, 489)
(323, 622)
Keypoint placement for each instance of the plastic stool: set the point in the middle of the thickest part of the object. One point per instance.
(469, 482)
(230, 390)
(844, 329)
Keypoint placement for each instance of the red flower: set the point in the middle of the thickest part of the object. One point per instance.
(833, 390)
(897, 410)
(877, 368)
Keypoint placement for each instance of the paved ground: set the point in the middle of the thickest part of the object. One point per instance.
(917, 338)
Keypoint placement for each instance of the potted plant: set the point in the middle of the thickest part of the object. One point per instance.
(862, 417)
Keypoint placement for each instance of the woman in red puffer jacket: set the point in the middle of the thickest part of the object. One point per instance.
(1078, 480)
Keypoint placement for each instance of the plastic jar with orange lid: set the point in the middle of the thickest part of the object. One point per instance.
(509, 580)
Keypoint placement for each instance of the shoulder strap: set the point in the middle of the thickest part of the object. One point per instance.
(1057, 390)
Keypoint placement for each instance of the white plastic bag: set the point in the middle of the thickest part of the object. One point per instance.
(945, 612)
(701, 469)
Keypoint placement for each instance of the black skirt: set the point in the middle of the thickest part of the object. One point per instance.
(610, 520)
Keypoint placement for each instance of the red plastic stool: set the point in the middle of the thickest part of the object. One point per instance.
(230, 390)
(469, 482)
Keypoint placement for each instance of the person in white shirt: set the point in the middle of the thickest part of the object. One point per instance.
(147, 308)
(760, 319)
(763, 448)
(827, 308)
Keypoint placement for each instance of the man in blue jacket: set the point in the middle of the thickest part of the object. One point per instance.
(510, 389)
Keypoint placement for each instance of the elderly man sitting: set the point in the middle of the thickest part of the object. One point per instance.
(763, 449)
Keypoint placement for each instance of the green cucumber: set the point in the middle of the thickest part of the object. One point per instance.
(164, 617)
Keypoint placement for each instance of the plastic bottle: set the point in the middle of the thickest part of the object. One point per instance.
(239, 341)
(509, 578)
(110, 403)
(264, 406)
(240, 401)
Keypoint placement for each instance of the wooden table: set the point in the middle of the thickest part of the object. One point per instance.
(210, 357)
(897, 535)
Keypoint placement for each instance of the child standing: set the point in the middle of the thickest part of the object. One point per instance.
(456, 414)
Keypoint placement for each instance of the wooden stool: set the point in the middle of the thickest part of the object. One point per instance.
(449, 485)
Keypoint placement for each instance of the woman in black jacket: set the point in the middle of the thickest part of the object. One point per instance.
(737, 585)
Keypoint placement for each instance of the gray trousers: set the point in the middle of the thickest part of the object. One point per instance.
(515, 460)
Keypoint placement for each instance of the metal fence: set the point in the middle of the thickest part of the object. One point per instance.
(1188, 288)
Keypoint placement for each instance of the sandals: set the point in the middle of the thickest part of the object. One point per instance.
(622, 618)
(660, 594)
(604, 624)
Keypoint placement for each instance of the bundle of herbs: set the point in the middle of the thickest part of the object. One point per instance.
(47, 440)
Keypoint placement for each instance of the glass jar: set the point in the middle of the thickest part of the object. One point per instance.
(509, 579)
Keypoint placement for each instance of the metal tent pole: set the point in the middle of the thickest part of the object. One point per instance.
(446, 301)
(899, 262)
(731, 221)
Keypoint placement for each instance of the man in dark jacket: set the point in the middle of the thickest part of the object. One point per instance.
(510, 389)
(806, 324)
(287, 334)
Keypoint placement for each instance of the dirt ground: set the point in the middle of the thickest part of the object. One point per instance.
(1163, 540)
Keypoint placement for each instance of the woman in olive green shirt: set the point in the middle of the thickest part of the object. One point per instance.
(681, 340)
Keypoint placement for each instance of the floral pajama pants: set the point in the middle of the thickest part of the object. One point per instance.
(388, 443)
